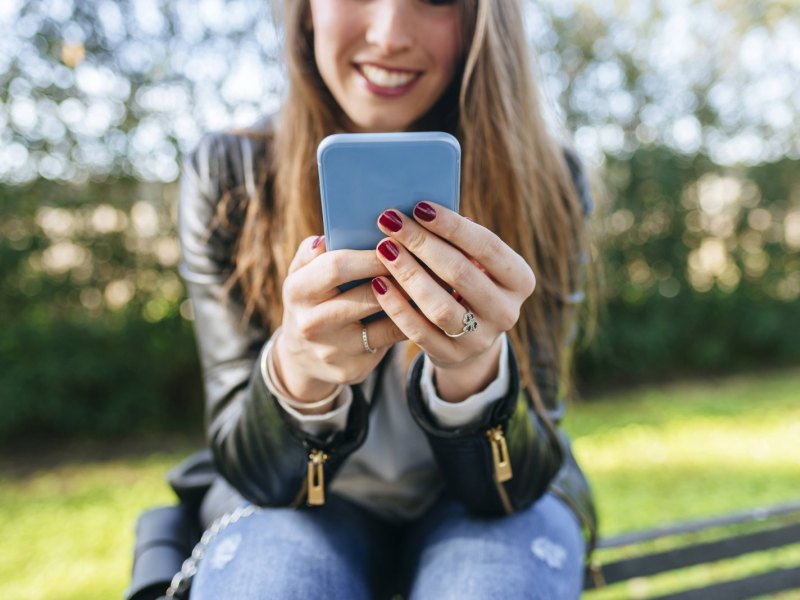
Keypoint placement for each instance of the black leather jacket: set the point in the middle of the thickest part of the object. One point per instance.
(273, 463)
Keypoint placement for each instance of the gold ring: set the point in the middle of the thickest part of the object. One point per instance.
(364, 340)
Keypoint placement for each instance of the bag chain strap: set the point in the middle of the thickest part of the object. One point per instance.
(183, 579)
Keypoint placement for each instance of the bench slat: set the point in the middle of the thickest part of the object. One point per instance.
(766, 583)
(706, 552)
(759, 514)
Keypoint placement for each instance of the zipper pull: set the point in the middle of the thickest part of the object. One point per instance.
(316, 478)
(502, 464)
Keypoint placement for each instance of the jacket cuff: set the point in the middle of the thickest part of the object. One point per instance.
(327, 423)
(338, 442)
(497, 412)
(451, 415)
(264, 455)
(318, 425)
(500, 464)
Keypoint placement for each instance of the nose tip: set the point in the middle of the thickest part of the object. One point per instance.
(390, 30)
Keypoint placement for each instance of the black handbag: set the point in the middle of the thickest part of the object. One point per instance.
(166, 535)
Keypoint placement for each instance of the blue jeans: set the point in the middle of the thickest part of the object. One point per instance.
(342, 551)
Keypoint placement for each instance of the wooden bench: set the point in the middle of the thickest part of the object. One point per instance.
(753, 531)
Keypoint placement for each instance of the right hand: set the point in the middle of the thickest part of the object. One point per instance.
(319, 345)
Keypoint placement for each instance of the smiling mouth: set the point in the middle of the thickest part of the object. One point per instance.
(385, 78)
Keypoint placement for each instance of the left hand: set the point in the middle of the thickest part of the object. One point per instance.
(492, 279)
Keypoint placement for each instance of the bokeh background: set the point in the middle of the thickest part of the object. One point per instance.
(685, 111)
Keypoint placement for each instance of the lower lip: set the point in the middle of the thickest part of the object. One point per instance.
(388, 92)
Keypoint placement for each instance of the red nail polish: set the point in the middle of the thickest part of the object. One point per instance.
(424, 211)
(391, 220)
(379, 286)
(316, 242)
(457, 297)
(388, 249)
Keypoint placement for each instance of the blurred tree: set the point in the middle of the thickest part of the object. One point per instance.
(100, 87)
(689, 111)
(95, 336)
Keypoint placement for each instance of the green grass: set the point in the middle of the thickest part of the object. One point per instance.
(690, 449)
(654, 455)
(685, 451)
(66, 532)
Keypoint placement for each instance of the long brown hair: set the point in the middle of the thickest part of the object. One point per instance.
(515, 179)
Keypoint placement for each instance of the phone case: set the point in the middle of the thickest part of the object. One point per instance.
(362, 174)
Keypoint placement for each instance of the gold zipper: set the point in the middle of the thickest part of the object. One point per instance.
(315, 478)
(501, 463)
(298, 500)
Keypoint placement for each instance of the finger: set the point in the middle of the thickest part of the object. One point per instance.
(381, 334)
(320, 278)
(447, 262)
(350, 306)
(504, 265)
(410, 322)
(309, 248)
(434, 302)
(475, 261)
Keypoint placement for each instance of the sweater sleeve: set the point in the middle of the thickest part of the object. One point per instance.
(473, 408)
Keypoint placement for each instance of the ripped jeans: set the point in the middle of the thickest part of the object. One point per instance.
(342, 551)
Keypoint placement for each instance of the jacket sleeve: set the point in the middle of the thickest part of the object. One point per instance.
(510, 458)
(255, 446)
(474, 460)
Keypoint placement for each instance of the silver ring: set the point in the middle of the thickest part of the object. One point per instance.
(364, 340)
(470, 325)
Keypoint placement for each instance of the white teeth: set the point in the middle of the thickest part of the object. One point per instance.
(385, 78)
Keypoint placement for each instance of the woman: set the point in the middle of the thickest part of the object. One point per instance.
(413, 455)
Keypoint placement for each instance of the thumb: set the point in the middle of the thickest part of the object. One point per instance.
(309, 249)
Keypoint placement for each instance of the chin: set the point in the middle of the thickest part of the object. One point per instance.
(379, 123)
(383, 126)
(387, 128)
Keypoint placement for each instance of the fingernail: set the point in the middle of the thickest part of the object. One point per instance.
(379, 286)
(388, 249)
(424, 211)
(316, 242)
(391, 220)
(457, 297)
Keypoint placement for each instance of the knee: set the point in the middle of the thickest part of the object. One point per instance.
(457, 570)
(538, 553)
(273, 558)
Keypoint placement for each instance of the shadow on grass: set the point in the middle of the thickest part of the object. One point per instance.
(24, 458)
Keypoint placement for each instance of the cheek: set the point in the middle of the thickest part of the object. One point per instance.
(329, 30)
(447, 47)
(334, 38)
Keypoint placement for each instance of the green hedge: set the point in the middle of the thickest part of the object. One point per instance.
(688, 335)
(701, 268)
(94, 337)
(75, 378)
(79, 358)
